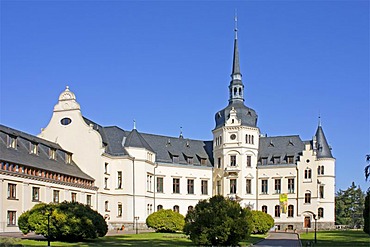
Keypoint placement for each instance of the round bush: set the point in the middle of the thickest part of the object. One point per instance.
(166, 220)
(262, 222)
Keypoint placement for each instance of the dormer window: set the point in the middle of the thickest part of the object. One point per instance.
(189, 160)
(264, 161)
(34, 148)
(52, 154)
(12, 142)
(203, 161)
(276, 160)
(290, 159)
(175, 159)
(68, 158)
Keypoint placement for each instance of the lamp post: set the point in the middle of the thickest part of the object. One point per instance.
(136, 219)
(315, 218)
(48, 212)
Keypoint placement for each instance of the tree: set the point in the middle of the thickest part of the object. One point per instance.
(262, 222)
(367, 168)
(166, 220)
(349, 206)
(217, 222)
(367, 212)
(69, 221)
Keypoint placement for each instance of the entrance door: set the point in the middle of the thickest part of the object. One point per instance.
(307, 222)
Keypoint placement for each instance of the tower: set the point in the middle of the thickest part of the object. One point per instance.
(235, 140)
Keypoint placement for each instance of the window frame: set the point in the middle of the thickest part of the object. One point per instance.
(176, 185)
(190, 186)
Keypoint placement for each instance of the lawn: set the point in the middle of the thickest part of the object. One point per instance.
(142, 239)
(337, 238)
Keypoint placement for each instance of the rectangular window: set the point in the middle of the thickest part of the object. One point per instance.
(106, 167)
(204, 187)
(219, 162)
(119, 214)
(190, 186)
(249, 186)
(232, 160)
(33, 148)
(264, 161)
(307, 198)
(277, 186)
(290, 185)
(249, 161)
(12, 142)
(12, 216)
(68, 158)
(189, 160)
(149, 179)
(35, 194)
(321, 191)
(218, 187)
(119, 180)
(55, 196)
(106, 206)
(176, 186)
(12, 191)
(175, 159)
(203, 161)
(264, 188)
(160, 185)
(232, 186)
(88, 200)
(276, 160)
(290, 159)
(277, 211)
(52, 154)
(73, 197)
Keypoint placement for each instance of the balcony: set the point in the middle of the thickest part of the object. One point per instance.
(235, 168)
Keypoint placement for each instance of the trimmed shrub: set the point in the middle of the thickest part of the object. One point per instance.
(166, 220)
(69, 221)
(262, 222)
(218, 222)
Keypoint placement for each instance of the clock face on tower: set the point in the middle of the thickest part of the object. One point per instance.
(232, 136)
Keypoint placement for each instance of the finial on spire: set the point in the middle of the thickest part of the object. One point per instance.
(319, 119)
(67, 88)
(134, 124)
(236, 24)
(181, 136)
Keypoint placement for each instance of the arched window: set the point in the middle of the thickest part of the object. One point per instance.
(106, 206)
(235, 91)
(159, 207)
(176, 208)
(320, 213)
(277, 211)
(290, 211)
(307, 197)
(190, 208)
(240, 91)
(308, 173)
(264, 209)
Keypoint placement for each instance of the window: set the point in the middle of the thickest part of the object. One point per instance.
(248, 186)
(308, 173)
(106, 183)
(119, 210)
(12, 191)
(290, 211)
(106, 206)
(321, 191)
(149, 156)
(35, 194)
(190, 186)
(68, 158)
(12, 142)
(218, 187)
(290, 159)
(176, 186)
(106, 167)
(277, 211)
(277, 186)
(149, 209)
(12, 215)
(249, 161)
(149, 179)
(33, 148)
(290, 185)
(320, 170)
(307, 197)
(73, 197)
(88, 200)
(56, 196)
(204, 188)
(189, 160)
(190, 208)
(65, 121)
(320, 213)
(203, 161)
(276, 160)
(264, 161)
(307, 222)
(160, 185)
(232, 160)
(219, 162)
(159, 207)
(264, 188)
(249, 139)
(119, 180)
(232, 186)
(176, 209)
(175, 159)
(52, 154)
(264, 209)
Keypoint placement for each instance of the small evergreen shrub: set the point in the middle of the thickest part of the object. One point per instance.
(166, 220)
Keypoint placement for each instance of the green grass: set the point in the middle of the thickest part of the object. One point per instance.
(337, 238)
(142, 239)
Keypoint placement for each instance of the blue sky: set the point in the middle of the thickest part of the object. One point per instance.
(167, 64)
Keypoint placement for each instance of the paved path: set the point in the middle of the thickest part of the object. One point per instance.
(280, 239)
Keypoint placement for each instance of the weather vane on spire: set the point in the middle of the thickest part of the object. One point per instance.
(236, 24)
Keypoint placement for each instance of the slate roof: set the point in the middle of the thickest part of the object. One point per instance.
(135, 139)
(323, 149)
(247, 115)
(280, 147)
(22, 156)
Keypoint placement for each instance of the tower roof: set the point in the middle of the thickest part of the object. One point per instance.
(134, 139)
(323, 149)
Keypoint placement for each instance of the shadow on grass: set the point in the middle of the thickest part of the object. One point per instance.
(336, 238)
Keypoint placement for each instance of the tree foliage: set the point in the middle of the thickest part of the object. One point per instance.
(166, 220)
(262, 222)
(69, 221)
(349, 206)
(367, 168)
(218, 221)
(367, 212)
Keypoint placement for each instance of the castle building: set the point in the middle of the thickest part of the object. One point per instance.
(126, 175)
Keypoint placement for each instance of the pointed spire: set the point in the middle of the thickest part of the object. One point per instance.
(323, 149)
(236, 66)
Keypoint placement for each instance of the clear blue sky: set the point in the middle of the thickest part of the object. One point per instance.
(167, 64)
